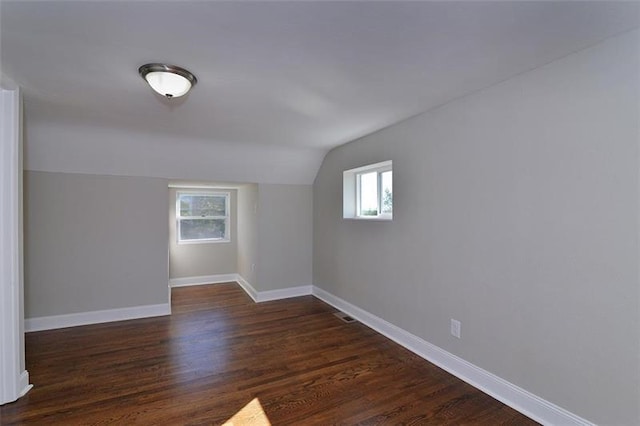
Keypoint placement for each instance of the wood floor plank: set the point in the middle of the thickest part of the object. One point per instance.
(220, 356)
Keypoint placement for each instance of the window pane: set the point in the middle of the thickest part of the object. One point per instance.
(201, 229)
(387, 192)
(202, 205)
(369, 194)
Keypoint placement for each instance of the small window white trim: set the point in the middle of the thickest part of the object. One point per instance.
(226, 217)
(351, 198)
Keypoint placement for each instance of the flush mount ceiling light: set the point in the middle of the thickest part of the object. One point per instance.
(168, 80)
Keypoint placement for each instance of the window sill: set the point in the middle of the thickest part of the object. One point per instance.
(180, 243)
(370, 219)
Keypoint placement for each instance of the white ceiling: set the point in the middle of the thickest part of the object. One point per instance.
(309, 75)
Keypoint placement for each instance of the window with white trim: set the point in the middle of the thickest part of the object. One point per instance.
(368, 192)
(202, 217)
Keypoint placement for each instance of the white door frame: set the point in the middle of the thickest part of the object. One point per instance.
(14, 379)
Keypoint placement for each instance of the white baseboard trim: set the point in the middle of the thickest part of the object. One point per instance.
(202, 280)
(515, 397)
(96, 317)
(248, 288)
(270, 295)
(255, 295)
(24, 385)
(284, 293)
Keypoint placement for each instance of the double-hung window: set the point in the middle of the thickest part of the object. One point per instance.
(368, 192)
(202, 217)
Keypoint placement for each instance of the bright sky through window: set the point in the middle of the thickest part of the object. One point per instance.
(369, 194)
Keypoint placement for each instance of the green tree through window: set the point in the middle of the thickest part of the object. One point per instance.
(202, 217)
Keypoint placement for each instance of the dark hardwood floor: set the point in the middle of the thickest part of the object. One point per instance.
(222, 358)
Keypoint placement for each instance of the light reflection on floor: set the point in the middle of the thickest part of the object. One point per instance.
(205, 352)
(251, 414)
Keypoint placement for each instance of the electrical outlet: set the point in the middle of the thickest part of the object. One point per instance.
(253, 267)
(455, 328)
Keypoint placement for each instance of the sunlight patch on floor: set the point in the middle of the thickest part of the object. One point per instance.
(251, 414)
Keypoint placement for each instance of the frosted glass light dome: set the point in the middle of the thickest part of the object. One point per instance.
(168, 80)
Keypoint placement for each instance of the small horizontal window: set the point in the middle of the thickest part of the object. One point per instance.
(202, 217)
(368, 192)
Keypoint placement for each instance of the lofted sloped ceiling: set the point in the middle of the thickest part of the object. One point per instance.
(280, 83)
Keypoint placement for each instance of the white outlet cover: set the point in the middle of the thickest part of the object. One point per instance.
(455, 328)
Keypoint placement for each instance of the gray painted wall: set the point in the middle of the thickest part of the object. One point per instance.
(247, 230)
(94, 242)
(195, 260)
(515, 212)
(285, 236)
